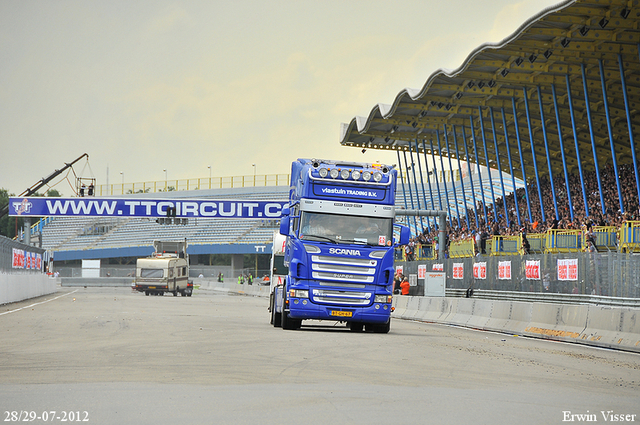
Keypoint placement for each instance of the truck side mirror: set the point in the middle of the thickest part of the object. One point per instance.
(284, 222)
(405, 234)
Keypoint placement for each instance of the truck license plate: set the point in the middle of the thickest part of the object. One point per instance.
(341, 313)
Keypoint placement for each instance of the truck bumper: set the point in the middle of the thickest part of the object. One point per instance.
(370, 314)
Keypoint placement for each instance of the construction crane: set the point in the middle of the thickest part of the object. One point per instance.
(44, 181)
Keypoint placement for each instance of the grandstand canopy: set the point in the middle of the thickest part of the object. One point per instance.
(513, 97)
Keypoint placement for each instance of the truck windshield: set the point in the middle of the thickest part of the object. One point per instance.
(151, 273)
(345, 229)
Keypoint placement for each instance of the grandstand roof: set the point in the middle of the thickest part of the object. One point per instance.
(530, 69)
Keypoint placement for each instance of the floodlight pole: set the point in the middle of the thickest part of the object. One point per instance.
(442, 224)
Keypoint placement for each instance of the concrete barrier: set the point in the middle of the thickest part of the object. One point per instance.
(602, 326)
(22, 286)
(613, 327)
(557, 321)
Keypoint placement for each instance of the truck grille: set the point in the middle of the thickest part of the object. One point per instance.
(340, 269)
(340, 297)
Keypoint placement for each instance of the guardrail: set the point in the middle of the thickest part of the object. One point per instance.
(462, 248)
(506, 245)
(560, 240)
(606, 237)
(544, 297)
(630, 236)
(193, 184)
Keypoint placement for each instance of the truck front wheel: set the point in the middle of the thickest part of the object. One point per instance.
(355, 326)
(288, 323)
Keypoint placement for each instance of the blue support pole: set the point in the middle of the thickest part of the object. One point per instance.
(415, 183)
(611, 142)
(444, 180)
(546, 149)
(593, 139)
(564, 160)
(513, 177)
(486, 159)
(533, 152)
(453, 184)
(435, 175)
(464, 192)
(475, 150)
(426, 166)
(524, 171)
(473, 190)
(406, 167)
(424, 196)
(404, 194)
(629, 124)
(575, 139)
(495, 144)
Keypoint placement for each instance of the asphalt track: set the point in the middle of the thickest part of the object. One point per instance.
(116, 357)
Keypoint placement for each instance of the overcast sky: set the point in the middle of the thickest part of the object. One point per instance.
(144, 86)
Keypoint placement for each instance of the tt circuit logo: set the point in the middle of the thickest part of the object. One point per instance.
(23, 207)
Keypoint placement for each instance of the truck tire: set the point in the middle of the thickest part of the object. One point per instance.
(276, 318)
(356, 326)
(288, 323)
(382, 328)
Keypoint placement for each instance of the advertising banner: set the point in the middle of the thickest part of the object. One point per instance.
(532, 270)
(458, 270)
(504, 270)
(437, 267)
(151, 208)
(568, 269)
(480, 270)
(22, 259)
(422, 271)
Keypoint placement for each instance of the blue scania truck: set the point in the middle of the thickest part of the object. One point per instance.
(339, 229)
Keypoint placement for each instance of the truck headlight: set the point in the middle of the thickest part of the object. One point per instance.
(298, 293)
(323, 172)
(384, 299)
(311, 249)
(377, 176)
(366, 176)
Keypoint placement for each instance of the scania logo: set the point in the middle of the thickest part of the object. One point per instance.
(342, 251)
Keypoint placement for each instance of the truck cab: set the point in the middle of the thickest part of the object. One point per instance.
(340, 245)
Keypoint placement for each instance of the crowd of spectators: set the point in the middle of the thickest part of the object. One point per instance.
(610, 215)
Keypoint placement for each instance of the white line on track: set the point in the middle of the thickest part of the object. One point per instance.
(42, 302)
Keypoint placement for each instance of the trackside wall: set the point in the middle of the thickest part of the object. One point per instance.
(602, 326)
(17, 287)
